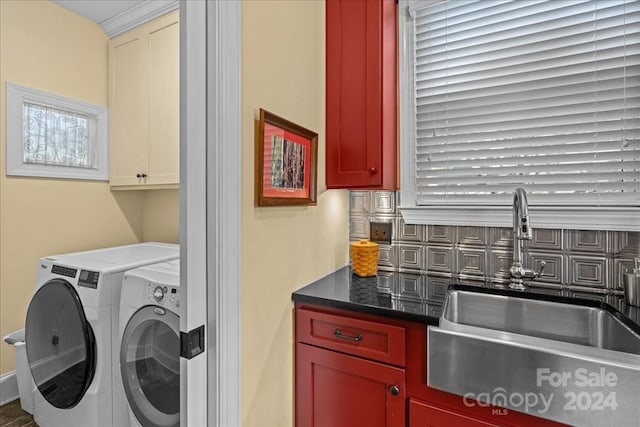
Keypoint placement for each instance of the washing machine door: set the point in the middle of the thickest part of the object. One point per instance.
(150, 366)
(61, 347)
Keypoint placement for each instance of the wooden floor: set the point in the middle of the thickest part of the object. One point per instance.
(12, 415)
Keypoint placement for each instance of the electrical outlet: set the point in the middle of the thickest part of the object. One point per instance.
(380, 232)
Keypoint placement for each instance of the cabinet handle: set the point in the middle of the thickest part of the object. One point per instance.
(395, 390)
(372, 170)
(144, 175)
(138, 175)
(338, 334)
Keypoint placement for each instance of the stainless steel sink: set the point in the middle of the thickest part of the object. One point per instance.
(576, 364)
(590, 326)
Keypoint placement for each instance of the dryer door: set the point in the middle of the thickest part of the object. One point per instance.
(61, 348)
(150, 366)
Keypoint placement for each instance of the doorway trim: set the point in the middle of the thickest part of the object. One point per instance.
(210, 208)
(224, 209)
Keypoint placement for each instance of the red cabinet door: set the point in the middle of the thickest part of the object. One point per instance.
(337, 390)
(361, 127)
(425, 415)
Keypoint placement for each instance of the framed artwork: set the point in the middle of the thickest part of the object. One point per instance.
(286, 162)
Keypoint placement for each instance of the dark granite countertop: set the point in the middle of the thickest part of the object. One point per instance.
(346, 290)
(419, 297)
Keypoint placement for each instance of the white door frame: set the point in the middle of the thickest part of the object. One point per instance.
(210, 209)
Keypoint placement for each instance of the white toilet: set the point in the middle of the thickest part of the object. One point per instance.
(23, 376)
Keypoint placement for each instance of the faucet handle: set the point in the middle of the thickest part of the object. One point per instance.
(540, 272)
(525, 273)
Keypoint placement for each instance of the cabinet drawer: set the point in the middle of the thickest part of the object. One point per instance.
(424, 415)
(373, 340)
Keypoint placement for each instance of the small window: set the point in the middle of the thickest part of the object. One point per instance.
(53, 136)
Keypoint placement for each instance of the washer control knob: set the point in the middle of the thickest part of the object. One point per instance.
(158, 293)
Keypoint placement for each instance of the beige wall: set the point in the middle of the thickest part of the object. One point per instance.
(46, 47)
(160, 216)
(282, 248)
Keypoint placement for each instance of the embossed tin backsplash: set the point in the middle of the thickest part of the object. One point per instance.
(588, 263)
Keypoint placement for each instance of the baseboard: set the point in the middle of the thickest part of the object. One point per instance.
(8, 388)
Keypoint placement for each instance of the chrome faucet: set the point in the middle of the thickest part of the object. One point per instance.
(521, 231)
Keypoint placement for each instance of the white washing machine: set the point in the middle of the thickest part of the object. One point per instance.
(150, 344)
(71, 334)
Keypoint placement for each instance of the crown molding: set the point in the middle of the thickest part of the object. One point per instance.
(137, 15)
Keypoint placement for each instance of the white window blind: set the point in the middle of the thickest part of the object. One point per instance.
(543, 95)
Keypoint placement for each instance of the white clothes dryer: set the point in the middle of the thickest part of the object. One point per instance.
(71, 334)
(150, 344)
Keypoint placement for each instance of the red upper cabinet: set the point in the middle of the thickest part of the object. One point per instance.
(361, 60)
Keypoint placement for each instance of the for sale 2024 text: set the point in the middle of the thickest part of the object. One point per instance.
(587, 398)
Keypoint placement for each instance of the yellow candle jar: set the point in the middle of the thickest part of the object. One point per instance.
(364, 258)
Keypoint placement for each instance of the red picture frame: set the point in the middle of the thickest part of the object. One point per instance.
(286, 162)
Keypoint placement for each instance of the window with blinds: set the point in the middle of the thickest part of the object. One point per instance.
(543, 95)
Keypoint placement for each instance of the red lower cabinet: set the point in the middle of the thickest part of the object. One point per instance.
(425, 415)
(337, 390)
(355, 369)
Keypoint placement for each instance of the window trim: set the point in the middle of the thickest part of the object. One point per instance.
(576, 217)
(16, 96)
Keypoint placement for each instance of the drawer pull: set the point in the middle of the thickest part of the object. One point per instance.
(338, 334)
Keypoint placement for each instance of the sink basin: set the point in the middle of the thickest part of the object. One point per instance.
(590, 326)
(571, 363)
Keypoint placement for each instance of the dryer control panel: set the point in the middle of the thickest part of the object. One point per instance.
(88, 279)
(64, 271)
(162, 295)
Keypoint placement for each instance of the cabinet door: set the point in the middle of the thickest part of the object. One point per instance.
(424, 415)
(164, 101)
(127, 106)
(336, 390)
(144, 104)
(361, 94)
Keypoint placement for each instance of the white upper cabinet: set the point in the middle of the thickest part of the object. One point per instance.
(144, 83)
